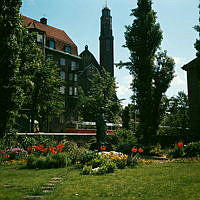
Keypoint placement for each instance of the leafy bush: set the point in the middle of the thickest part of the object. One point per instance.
(17, 154)
(50, 161)
(123, 140)
(192, 149)
(86, 156)
(108, 167)
(97, 162)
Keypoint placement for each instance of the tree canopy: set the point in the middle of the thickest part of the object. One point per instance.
(152, 70)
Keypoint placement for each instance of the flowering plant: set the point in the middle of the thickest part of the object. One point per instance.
(45, 150)
(118, 158)
(13, 153)
(102, 148)
(180, 145)
(135, 150)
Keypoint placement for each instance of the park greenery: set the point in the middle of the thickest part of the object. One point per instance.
(152, 70)
(153, 155)
(25, 73)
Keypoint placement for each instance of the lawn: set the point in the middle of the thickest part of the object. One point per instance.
(157, 181)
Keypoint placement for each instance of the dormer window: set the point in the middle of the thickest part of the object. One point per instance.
(68, 49)
(52, 44)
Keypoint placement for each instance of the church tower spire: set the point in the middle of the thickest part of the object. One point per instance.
(106, 41)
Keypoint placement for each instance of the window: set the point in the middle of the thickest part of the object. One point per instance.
(75, 91)
(62, 61)
(68, 49)
(73, 65)
(49, 56)
(75, 77)
(62, 90)
(62, 75)
(70, 77)
(39, 38)
(70, 90)
(52, 44)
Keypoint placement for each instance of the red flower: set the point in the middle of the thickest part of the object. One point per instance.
(180, 145)
(140, 150)
(29, 148)
(134, 150)
(102, 148)
(7, 156)
(60, 147)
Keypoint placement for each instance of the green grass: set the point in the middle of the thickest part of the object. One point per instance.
(157, 181)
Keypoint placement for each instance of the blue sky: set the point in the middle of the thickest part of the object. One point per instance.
(80, 19)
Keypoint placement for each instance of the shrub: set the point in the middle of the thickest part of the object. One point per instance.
(107, 167)
(86, 156)
(97, 162)
(50, 161)
(16, 154)
(192, 149)
(123, 140)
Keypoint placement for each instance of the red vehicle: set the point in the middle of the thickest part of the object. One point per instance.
(89, 128)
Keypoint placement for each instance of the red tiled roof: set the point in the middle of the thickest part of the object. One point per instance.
(60, 37)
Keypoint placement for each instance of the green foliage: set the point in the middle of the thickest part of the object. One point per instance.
(50, 161)
(197, 43)
(126, 118)
(100, 99)
(25, 73)
(175, 123)
(152, 72)
(86, 156)
(97, 162)
(11, 36)
(123, 140)
(40, 82)
(192, 149)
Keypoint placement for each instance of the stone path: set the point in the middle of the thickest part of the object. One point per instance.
(43, 190)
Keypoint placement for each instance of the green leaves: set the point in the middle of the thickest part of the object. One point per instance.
(152, 72)
(101, 98)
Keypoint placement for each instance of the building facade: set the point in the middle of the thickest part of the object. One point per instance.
(75, 69)
(58, 46)
(193, 84)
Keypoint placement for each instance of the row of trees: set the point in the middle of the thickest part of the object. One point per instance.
(27, 80)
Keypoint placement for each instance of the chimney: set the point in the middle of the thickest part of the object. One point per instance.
(43, 20)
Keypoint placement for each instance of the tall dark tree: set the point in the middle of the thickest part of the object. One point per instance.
(126, 117)
(197, 43)
(143, 39)
(10, 34)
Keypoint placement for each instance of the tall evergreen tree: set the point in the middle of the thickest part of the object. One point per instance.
(10, 43)
(197, 43)
(143, 39)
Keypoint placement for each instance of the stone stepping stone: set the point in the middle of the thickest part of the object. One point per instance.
(47, 191)
(8, 186)
(47, 188)
(33, 197)
(56, 178)
(50, 184)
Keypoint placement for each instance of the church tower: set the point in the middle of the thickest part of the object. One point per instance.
(106, 41)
